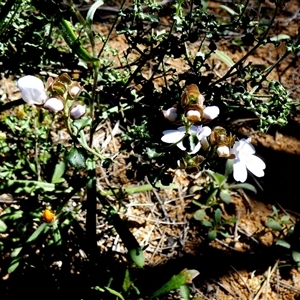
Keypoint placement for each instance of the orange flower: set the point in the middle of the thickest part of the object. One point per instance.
(48, 215)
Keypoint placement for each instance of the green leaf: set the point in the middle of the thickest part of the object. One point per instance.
(130, 242)
(275, 210)
(280, 37)
(274, 225)
(30, 186)
(200, 214)
(224, 58)
(113, 292)
(59, 171)
(77, 158)
(184, 277)
(296, 256)
(219, 178)
(56, 234)
(152, 153)
(36, 233)
(206, 223)
(127, 282)
(244, 186)
(92, 10)
(229, 167)
(3, 226)
(283, 243)
(212, 235)
(218, 215)
(185, 292)
(137, 255)
(225, 196)
(81, 123)
(73, 42)
(14, 264)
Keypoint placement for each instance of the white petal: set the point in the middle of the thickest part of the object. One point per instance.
(211, 112)
(223, 151)
(244, 146)
(53, 104)
(239, 171)
(32, 90)
(255, 165)
(204, 143)
(172, 136)
(170, 114)
(206, 131)
(77, 111)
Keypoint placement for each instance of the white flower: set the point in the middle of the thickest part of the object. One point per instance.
(54, 104)
(77, 111)
(245, 159)
(32, 90)
(170, 114)
(174, 136)
(210, 113)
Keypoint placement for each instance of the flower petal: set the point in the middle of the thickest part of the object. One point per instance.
(206, 131)
(255, 165)
(244, 146)
(172, 136)
(32, 90)
(211, 112)
(239, 171)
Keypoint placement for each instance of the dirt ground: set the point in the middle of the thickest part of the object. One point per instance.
(246, 265)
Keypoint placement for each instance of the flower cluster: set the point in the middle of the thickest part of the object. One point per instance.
(60, 90)
(193, 136)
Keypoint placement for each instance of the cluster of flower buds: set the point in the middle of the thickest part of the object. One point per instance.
(55, 96)
(191, 107)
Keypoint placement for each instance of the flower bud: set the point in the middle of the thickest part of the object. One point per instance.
(223, 151)
(54, 104)
(32, 90)
(74, 89)
(48, 215)
(77, 111)
(170, 114)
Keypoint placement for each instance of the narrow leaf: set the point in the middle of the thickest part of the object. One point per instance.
(228, 9)
(92, 10)
(283, 243)
(225, 196)
(218, 215)
(296, 256)
(59, 171)
(3, 226)
(37, 232)
(184, 277)
(274, 225)
(113, 292)
(244, 186)
(224, 58)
